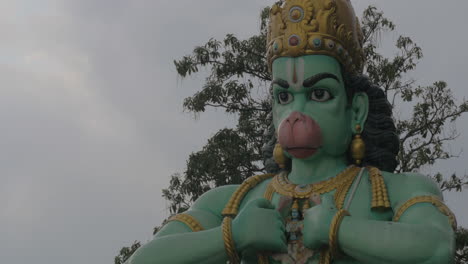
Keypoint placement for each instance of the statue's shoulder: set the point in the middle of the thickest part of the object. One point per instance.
(205, 213)
(403, 186)
(215, 199)
(226, 200)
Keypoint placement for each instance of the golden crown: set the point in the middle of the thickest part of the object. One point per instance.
(323, 27)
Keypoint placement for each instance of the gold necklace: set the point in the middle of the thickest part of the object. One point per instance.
(283, 186)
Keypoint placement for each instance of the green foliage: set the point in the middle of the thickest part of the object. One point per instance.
(452, 183)
(238, 83)
(461, 255)
(423, 134)
(226, 159)
(126, 253)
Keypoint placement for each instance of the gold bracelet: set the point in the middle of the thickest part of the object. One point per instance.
(188, 220)
(334, 228)
(325, 257)
(228, 241)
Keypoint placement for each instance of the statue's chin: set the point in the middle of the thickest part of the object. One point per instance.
(301, 153)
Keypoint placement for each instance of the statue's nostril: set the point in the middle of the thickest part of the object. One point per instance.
(294, 117)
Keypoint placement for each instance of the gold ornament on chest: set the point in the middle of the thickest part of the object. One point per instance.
(300, 197)
(341, 183)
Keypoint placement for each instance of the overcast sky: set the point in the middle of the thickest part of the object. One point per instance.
(91, 122)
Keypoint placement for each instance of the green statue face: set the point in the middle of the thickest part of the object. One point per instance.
(311, 112)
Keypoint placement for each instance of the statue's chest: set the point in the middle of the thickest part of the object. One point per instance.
(297, 252)
(292, 210)
(364, 197)
(360, 206)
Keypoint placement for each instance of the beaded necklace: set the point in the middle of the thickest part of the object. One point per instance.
(304, 194)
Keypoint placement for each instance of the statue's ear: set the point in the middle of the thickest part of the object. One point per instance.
(360, 109)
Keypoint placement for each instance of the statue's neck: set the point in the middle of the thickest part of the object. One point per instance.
(305, 172)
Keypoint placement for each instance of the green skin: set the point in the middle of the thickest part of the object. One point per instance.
(423, 235)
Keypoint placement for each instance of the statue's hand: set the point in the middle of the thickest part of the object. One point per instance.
(317, 222)
(259, 227)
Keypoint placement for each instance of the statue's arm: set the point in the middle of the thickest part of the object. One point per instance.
(177, 243)
(422, 235)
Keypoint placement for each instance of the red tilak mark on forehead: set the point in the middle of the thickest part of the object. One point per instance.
(294, 74)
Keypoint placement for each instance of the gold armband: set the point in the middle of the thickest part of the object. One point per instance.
(434, 200)
(333, 235)
(188, 220)
(232, 207)
(229, 241)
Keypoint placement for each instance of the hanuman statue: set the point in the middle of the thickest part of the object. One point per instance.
(335, 198)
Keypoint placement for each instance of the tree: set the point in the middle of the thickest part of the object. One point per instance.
(126, 253)
(239, 82)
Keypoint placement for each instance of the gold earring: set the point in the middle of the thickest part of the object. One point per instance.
(278, 156)
(358, 147)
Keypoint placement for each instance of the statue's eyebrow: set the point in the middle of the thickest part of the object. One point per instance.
(284, 84)
(309, 82)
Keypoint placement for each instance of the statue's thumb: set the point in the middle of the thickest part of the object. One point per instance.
(261, 203)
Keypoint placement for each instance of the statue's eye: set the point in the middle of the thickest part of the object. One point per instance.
(285, 98)
(320, 95)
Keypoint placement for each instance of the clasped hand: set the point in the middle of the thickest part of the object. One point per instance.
(317, 221)
(260, 228)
